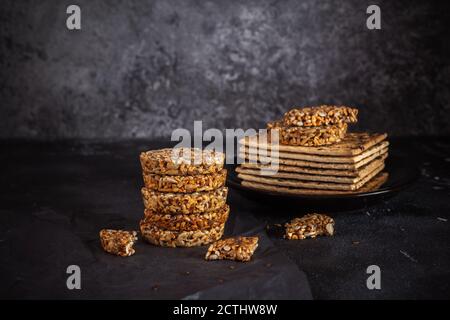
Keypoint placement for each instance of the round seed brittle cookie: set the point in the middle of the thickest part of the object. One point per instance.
(182, 161)
(191, 222)
(165, 238)
(184, 203)
(317, 116)
(309, 136)
(184, 183)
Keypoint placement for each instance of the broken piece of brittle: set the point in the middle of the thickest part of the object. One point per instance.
(239, 248)
(311, 225)
(118, 242)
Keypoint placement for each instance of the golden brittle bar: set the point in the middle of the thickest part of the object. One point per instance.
(309, 136)
(311, 225)
(319, 116)
(240, 248)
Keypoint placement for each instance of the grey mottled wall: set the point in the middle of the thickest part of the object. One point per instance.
(143, 68)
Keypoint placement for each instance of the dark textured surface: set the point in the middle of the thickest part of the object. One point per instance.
(144, 68)
(407, 236)
(55, 202)
(54, 197)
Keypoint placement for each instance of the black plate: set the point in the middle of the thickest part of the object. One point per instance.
(401, 174)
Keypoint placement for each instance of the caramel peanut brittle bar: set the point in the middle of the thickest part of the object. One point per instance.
(166, 238)
(319, 116)
(184, 203)
(240, 248)
(309, 136)
(311, 225)
(182, 161)
(187, 222)
(185, 184)
(118, 242)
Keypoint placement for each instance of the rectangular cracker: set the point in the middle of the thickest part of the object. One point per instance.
(239, 248)
(320, 158)
(371, 185)
(312, 177)
(359, 172)
(311, 184)
(352, 145)
(314, 164)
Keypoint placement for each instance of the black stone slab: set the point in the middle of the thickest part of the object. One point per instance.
(72, 189)
(56, 197)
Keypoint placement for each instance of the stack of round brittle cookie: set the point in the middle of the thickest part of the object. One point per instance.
(314, 126)
(184, 197)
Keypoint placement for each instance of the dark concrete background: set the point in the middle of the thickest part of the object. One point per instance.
(144, 68)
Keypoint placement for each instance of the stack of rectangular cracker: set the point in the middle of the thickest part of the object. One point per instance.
(184, 197)
(355, 164)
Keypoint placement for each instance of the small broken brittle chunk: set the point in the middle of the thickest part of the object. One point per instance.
(239, 248)
(311, 225)
(118, 242)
